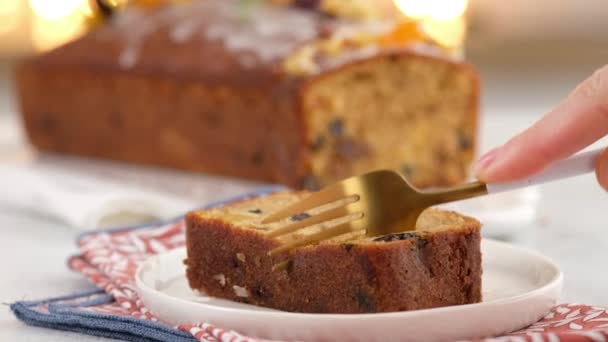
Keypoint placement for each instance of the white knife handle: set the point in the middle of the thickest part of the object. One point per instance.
(576, 165)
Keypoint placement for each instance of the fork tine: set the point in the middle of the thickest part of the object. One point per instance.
(330, 194)
(324, 234)
(322, 217)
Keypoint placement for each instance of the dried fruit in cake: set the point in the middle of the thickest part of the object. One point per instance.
(437, 265)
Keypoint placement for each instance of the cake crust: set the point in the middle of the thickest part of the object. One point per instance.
(397, 272)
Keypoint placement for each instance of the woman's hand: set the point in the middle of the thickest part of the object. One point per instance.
(580, 120)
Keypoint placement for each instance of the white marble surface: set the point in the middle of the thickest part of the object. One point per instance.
(572, 230)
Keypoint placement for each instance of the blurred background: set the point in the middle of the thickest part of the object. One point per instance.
(529, 54)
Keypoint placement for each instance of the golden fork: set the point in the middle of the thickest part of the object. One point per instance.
(383, 202)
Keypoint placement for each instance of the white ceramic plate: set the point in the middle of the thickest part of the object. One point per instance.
(519, 287)
(504, 214)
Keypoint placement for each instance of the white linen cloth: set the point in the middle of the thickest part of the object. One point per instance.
(84, 202)
(89, 194)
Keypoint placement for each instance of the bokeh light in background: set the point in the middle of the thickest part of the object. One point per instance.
(444, 20)
(433, 9)
(57, 10)
(30, 26)
(40, 25)
(56, 22)
(10, 15)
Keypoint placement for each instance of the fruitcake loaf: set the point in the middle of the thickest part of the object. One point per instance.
(437, 264)
(277, 93)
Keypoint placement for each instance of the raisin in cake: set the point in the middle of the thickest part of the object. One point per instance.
(438, 264)
(274, 93)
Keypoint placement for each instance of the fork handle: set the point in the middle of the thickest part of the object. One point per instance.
(576, 165)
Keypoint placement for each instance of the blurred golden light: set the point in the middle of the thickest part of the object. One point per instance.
(450, 33)
(432, 9)
(55, 10)
(49, 34)
(85, 8)
(9, 15)
(56, 22)
(8, 7)
(443, 20)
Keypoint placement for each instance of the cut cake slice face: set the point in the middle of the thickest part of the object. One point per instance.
(438, 264)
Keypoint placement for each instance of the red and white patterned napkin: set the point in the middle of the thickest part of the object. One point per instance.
(110, 258)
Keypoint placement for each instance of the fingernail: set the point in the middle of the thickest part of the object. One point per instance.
(485, 161)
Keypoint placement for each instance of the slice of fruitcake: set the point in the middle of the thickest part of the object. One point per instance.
(438, 264)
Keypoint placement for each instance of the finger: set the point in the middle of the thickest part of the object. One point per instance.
(580, 120)
(601, 170)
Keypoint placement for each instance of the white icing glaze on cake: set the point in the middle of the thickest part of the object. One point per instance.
(269, 32)
(184, 31)
(259, 34)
